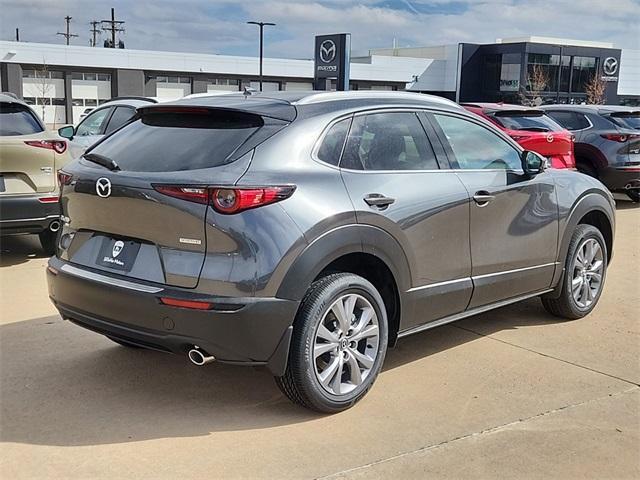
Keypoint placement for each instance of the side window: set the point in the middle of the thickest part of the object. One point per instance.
(476, 147)
(92, 124)
(333, 141)
(120, 116)
(388, 141)
(569, 120)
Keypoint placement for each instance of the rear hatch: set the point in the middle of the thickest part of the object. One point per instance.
(27, 155)
(629, 126)
(536, 131)
(119, 219)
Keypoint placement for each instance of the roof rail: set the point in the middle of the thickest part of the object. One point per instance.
(134, 97)
(375, 94)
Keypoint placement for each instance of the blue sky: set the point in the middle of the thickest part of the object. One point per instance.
(218, 26)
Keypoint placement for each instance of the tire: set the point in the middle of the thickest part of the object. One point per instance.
(634, 195)
(48, 241)
(301, 382)
(567, 305)
(124, 343)
(587, 169)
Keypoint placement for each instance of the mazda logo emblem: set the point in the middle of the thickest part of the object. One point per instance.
(328, 51)
(610, 66)
(550, 138)
(103, 187)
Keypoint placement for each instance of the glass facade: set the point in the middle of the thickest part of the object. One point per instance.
(584, 69)
(548, 65)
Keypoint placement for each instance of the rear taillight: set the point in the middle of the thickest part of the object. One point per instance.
(573, 138)
(619, 137)
(59, 146)
(64, 178)
(517, 138)
(53, 199)
(228, 200)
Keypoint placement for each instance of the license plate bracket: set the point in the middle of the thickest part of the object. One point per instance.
(119, 254)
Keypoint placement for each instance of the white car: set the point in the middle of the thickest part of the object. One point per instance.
(101, 121)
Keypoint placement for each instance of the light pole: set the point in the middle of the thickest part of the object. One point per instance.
(261, 25)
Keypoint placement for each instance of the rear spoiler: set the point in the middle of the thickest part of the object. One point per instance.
(519, 113)
(633, 113)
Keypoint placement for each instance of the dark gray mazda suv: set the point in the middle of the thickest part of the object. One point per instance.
(308, 232)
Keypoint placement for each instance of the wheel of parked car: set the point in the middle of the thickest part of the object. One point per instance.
(585, 271)
(587, 169)
(634, 195)
(48, 241)
(338, 346)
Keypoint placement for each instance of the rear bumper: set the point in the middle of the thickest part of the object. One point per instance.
(26, 214)
(620, 178)
(252, 331)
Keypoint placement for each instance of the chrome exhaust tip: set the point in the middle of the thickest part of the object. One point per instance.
(54, 226)
(198, 357)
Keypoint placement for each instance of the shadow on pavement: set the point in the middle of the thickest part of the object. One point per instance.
(17, 249)
(62, 385)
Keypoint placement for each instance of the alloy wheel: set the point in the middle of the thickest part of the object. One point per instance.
(345, 345)
(588, 270)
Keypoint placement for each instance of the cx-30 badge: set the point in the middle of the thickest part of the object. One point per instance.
(327, 51)
(103, 187)
(610, 66)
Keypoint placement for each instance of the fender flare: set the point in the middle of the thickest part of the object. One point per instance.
(340, 241)
(591, 201)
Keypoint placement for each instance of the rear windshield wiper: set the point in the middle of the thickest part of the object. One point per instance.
(102, 160)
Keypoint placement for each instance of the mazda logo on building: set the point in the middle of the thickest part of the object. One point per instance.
(610, 66)
(328, 51)
(103, 187)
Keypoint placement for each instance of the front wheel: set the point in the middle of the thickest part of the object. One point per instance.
(48, 242)
(339, 343)
(584, 275)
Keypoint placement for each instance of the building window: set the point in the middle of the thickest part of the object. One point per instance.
(547, 65)
(584, 69)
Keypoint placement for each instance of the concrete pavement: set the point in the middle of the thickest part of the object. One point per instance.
(508, 394)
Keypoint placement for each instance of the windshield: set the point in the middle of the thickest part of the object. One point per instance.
(534, 123)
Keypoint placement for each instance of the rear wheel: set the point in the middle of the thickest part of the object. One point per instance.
(48, 241)
(585, 271)
(338, 346)
(587, 169)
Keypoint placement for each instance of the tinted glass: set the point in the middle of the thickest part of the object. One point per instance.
(388, 141)
(570, 120)
(535, 123)
(333, 141)
(17, 120)
(627, 120)
(476, 147)
(120, 116)
(168, 141)
(92, 124)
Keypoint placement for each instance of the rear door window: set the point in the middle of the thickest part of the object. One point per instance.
(167, 141)
(388, 141)
(16, 119)
(570, 120)
(627, 120)
(121, 115)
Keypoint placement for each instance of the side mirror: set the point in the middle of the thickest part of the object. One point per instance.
(532, 163)
(67, 132)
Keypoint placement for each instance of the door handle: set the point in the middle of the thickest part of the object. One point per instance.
(482, 198)
(378, 200)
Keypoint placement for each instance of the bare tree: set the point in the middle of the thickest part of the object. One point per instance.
(537, 81)
(595, 90)
(43, 87)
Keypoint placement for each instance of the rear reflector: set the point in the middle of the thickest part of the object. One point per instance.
(192, 304)
(48, 199)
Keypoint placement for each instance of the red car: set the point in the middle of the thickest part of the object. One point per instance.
(532, 129)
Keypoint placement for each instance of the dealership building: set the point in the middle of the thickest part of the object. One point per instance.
(62, 81)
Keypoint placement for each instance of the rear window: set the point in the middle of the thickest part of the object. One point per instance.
(534, 123)
(627, 120)
(167, 141)
(16, 119)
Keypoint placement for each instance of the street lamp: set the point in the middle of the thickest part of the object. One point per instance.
(261, 25)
